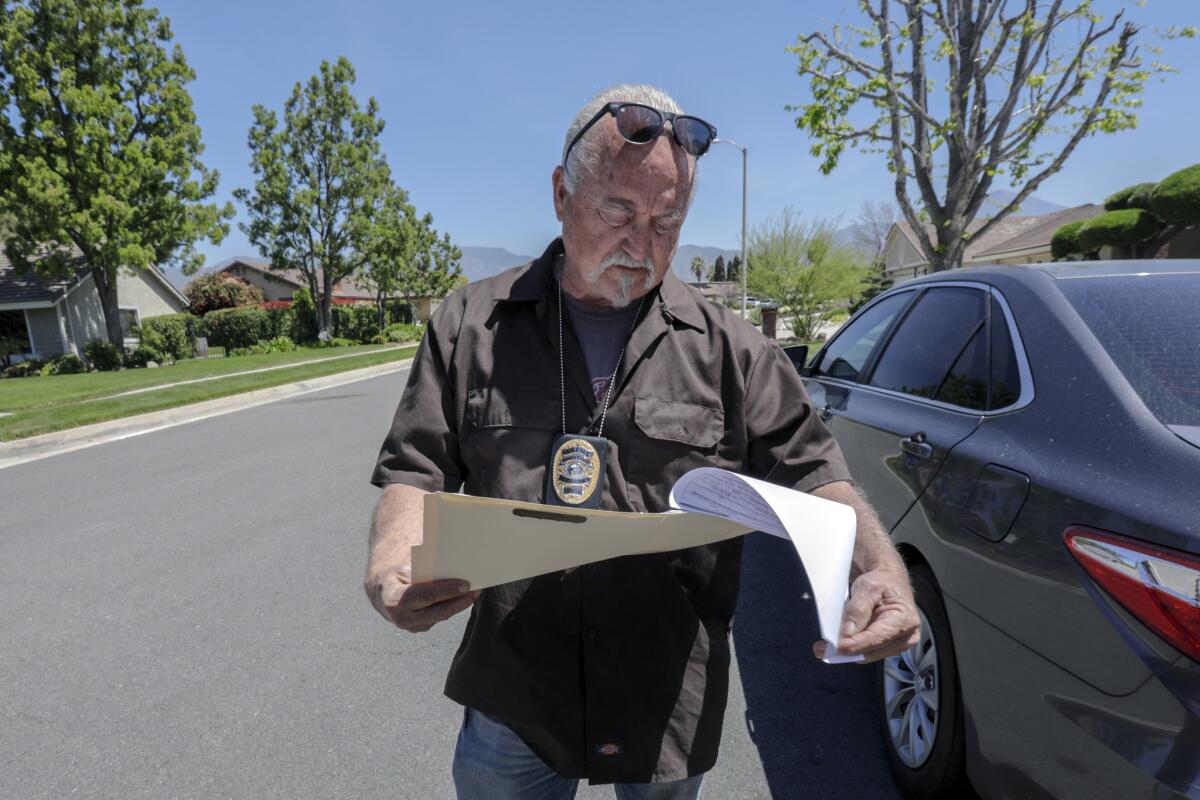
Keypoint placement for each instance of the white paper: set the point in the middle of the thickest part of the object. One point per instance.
(821, 531)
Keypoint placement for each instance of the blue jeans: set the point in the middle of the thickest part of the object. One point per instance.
(492, 763)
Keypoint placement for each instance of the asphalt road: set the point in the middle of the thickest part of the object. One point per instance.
(181, 616)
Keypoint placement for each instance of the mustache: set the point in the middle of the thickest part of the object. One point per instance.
(623, 259)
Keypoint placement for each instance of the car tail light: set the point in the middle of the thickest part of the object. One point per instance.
(1160, 587)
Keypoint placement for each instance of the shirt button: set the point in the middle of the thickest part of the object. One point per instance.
(592, 633)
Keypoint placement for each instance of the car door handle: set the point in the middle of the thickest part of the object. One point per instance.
(916, 445)
(825, 412)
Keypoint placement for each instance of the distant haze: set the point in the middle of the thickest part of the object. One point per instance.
(480, 262)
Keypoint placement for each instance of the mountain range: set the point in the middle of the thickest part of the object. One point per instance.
(480, 262)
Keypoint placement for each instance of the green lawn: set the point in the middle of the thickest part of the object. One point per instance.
(17, 394)
(42, 405)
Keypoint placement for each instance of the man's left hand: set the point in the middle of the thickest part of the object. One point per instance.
(880, 618)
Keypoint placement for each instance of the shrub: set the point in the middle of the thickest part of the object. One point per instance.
(379, 338)
(237, 327)
(286, 321)
(142, 355)
(335, 341)
(1176, 198)
(280, 344)
(170, 335)
(102, 355)
(219, 290)
(305, 309)
(359, 322)
(65, 365)
(1065, 241)
(1136, 196)
(1124, 228)
(29, 368)
(400, 332)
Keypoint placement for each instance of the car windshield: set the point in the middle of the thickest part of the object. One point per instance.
(1150, 326)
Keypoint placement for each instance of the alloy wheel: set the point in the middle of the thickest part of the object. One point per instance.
(910, 697)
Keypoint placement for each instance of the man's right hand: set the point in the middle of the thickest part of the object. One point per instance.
(416, 608)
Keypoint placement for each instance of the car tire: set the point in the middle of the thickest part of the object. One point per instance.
(925, 745)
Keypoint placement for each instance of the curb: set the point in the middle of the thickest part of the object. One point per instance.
(66, 441)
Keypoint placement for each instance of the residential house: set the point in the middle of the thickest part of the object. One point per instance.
(1012, 240)
(282, 284)
(61, 316)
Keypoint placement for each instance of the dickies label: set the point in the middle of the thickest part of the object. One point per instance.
(609, 749)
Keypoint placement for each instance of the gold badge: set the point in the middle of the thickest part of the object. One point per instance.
(575, 471)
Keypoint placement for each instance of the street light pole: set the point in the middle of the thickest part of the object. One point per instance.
(745, 265)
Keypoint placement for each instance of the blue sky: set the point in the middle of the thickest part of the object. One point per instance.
(477, 96)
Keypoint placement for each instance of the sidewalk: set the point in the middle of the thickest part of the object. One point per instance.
(52, 444)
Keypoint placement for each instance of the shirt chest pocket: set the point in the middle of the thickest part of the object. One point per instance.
(509, 428)
(672, 437)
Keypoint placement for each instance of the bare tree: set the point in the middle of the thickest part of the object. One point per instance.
(1024, 82)
(871, 229)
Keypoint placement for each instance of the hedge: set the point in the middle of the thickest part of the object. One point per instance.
(1136, 196)
(1065, 241)
(170, 335)
(237, 327)
(1176, 198)
(1124, 228)
(359, 322)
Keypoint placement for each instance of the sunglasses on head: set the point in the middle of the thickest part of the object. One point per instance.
(639, 124)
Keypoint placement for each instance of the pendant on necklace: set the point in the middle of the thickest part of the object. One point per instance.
(576, 473)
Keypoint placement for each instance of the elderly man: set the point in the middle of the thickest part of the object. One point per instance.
(618, 671)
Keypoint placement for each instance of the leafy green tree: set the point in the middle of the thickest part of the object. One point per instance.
(804, 268)
(99, 146)
(718, 270)
(877, 282)
(1021, 84)
(320, 179)
(699, 268)
(438, 266)
(391, 249)
(406, 258)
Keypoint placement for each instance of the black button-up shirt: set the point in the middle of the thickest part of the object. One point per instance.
(617, 672)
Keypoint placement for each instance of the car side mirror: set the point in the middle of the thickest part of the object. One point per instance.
(798, 355)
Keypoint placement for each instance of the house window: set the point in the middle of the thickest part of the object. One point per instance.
(129, 320)
(14, 336)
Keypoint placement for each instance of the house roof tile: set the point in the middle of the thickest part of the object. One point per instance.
(26, 287)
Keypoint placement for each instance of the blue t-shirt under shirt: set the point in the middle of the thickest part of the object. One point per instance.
(601, 333)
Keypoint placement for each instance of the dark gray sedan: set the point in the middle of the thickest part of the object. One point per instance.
(1031, 438)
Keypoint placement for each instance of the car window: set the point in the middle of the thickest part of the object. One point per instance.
(845, 356)
(933, 339)
(966, 384)
(1150, 327)
(1006, 376)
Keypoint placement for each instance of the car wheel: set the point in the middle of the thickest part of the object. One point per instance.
(922, 704)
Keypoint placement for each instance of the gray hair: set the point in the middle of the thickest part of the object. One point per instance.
(585, 156)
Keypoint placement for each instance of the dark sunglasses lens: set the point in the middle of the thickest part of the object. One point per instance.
(638, 124)
(693, 135)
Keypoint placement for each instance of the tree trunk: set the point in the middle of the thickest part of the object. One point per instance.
(325, 308)
(381, 306)
(106, 287)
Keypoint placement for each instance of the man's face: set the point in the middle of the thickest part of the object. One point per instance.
(621, 226)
